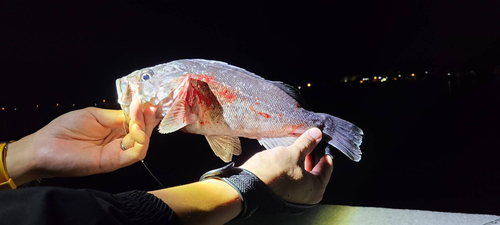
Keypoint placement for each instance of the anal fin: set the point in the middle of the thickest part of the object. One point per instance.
(224, 146)
(269, 143)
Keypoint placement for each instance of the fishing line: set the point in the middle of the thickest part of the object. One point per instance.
(151, 173)
(142, 160)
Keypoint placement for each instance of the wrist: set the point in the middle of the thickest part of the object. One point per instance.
(19, 161)
(256, 197)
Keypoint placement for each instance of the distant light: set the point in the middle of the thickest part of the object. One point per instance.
(395, 78)
(104, 100)
(412, 74)
(366, 78)
(37, 106)
(449, 74)
(15, 109)
(375, 78)
(95, 104)
(57, 104)
(3, 108)
(73, 104)
(299, 87)
(399, 75)
(345, 79)
(379, 77)
(426, 72)
(308, 84)
(361, 81)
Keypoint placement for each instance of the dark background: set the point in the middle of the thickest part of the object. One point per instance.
(430, 140)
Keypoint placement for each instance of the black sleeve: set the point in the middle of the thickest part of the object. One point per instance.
(51, 205)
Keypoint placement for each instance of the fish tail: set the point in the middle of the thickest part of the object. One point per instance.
(343, 135)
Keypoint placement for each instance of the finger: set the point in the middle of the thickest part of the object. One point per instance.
(135, 135)
(136, 114)
(134, 154)
(141, 143)
(150, 119)
(128, 141)
(307, 141)
(138, 135)
(107, 117)
(308, 164)
(323, 170)
(136, 144)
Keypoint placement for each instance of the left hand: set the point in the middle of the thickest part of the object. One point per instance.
(83, 142)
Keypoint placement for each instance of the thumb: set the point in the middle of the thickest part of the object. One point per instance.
(307, 141)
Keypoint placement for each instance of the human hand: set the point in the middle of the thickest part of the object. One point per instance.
(290, 172)
(82, 142)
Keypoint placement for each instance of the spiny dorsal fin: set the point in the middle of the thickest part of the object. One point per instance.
(292, 91)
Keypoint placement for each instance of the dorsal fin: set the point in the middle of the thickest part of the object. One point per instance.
(293, 92)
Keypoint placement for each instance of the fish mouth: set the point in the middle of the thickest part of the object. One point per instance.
(124, 97)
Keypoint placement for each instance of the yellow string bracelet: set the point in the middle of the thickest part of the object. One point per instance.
(5, 181)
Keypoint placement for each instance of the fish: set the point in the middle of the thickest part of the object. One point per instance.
(224, 102)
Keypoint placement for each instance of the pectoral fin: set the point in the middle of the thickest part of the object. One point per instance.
(269, 143)
(175, 118)
(224, 146)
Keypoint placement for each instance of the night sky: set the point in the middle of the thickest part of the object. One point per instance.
(59, 52)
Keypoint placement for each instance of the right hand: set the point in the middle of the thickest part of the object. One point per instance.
(289, 172)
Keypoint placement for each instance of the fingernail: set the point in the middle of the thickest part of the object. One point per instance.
(315, 133)
(328, 151)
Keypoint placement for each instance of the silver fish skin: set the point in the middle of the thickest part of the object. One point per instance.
(225, 102)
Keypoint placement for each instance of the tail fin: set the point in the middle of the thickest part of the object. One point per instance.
(344, 136)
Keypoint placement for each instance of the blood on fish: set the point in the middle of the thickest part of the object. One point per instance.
(265, 115)
(227, 95)
(203, 77)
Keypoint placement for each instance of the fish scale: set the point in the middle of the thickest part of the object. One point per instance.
(225, 102)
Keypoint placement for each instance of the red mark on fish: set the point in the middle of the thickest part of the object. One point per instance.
(265, 115)
(227, 95)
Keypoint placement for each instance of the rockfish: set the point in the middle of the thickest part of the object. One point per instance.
(224, 102)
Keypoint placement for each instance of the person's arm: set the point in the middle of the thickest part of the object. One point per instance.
(205, 202)
(287, 171)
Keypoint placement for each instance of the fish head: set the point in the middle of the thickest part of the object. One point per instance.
(151, 85)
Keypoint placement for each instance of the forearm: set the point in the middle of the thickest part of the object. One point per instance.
(207, 202)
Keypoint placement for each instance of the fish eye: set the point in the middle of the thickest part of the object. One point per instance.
(146, 75)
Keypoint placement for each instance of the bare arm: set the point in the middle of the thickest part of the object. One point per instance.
(287, 171)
